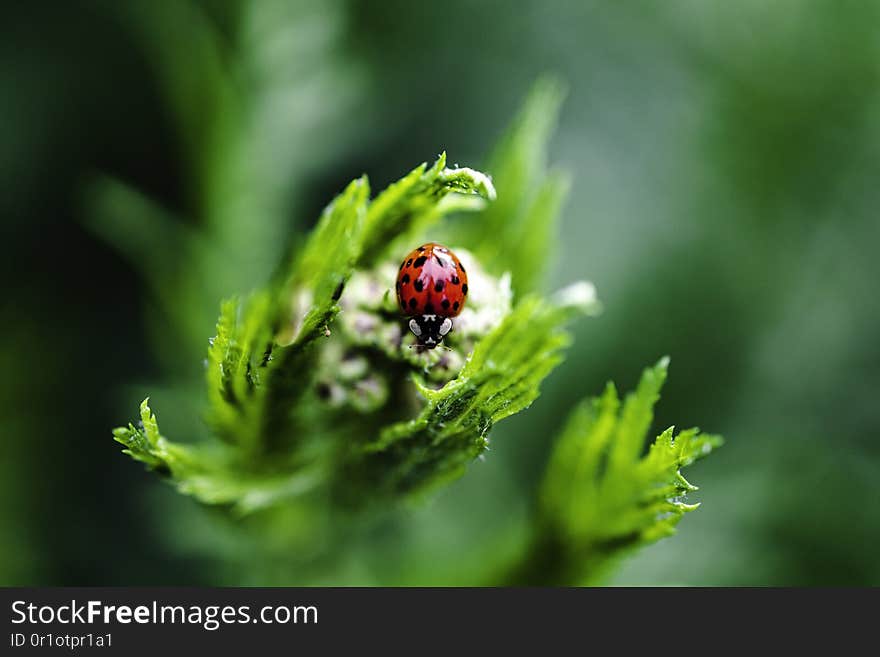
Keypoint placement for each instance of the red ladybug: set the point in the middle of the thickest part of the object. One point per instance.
(432, 287)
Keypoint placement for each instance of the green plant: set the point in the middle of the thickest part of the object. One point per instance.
(316, 399)
(603, 496)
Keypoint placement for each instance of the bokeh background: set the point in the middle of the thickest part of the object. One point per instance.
(725, 198)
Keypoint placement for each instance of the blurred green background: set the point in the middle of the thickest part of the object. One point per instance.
(724, 160)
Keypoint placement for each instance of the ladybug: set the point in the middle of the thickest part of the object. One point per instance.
(432, 287)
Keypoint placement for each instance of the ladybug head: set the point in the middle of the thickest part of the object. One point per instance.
(430, 329)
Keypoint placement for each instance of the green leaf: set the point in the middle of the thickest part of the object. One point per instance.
(419, 199)
(212, 476)
(269, 379)
(325, 265)
(517, 233)
(603, 496)
(236, 358)
(146, 444)
(538, 230)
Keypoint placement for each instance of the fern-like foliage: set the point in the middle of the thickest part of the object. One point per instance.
(262, 361)
(316, 396)
(207, 472)
(603, 494)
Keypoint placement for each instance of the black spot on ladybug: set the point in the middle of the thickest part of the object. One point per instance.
(337, 293)
(419, 285)
(421, 249)
(445, 304)
(398, 286)
(405, 279)
(438, 286)
(463, 270)
(455, 280)
(439, 261)
(429, 308)
(455, 306)
(412, 302)
(420, 261)
(464, 289)
(409, 262)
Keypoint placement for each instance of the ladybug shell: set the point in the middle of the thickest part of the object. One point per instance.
(431, 281)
